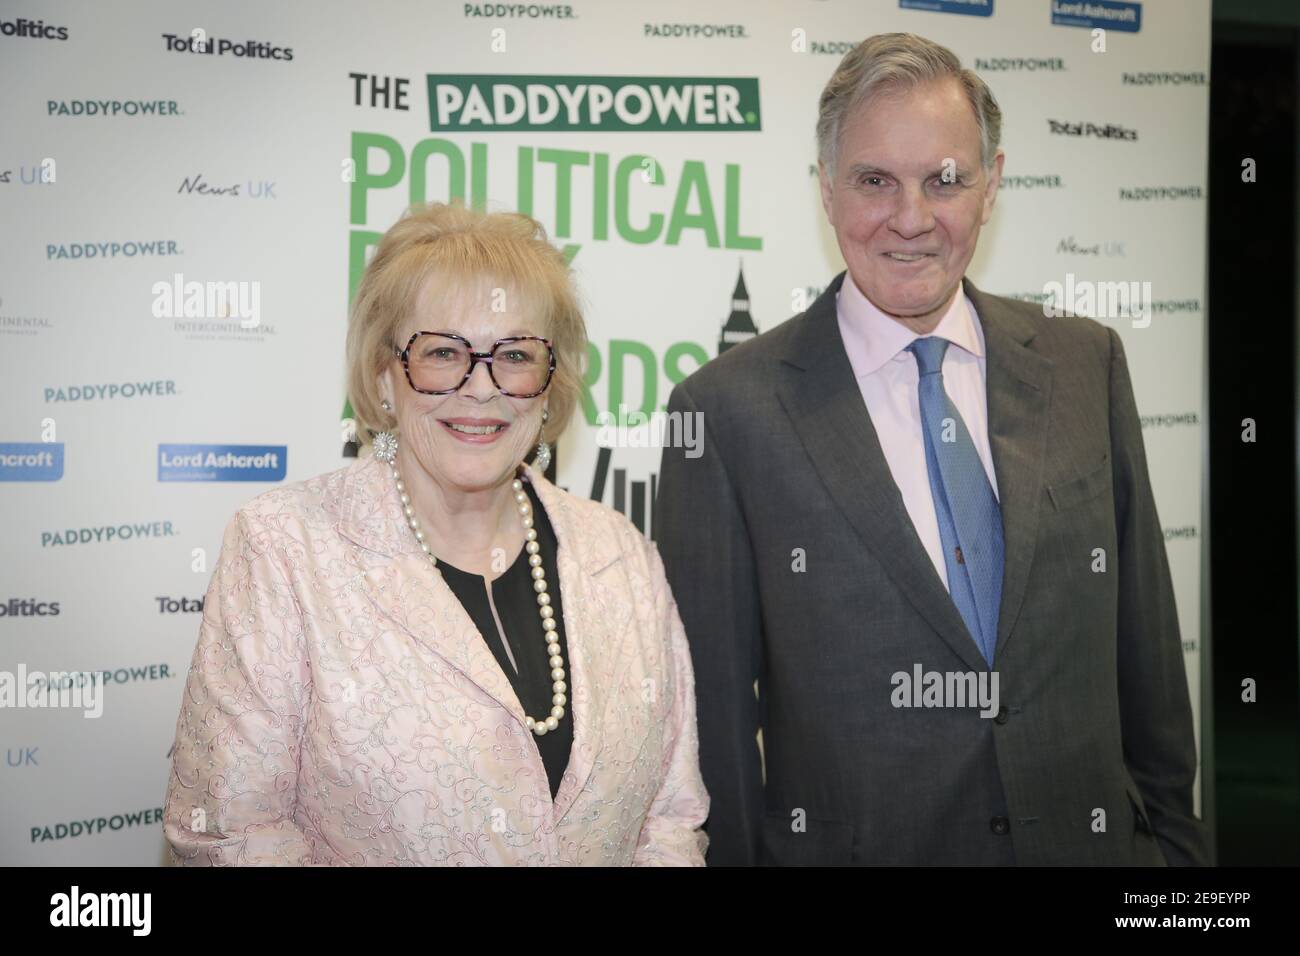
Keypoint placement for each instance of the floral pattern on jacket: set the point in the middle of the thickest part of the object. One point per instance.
(342, 709)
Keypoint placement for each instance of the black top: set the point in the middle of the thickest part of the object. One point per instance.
(516, 604)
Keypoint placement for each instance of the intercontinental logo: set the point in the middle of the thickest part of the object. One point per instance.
(29, 325)
(227, 310)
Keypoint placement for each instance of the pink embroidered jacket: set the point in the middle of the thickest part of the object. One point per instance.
(342, 708)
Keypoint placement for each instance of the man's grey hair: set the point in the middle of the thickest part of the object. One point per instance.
(889, 62)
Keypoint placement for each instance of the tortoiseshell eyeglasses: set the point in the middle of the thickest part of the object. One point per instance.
(439, 363)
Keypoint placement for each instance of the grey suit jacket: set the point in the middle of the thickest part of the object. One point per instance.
(1091, 759)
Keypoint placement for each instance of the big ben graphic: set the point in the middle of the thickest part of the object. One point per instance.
(739, 326)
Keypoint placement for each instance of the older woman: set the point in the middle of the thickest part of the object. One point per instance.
(434, 655)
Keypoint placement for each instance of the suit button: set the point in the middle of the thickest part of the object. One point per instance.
(1000, 825)
(1001, 717)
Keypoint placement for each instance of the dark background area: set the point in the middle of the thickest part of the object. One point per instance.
(1251, 751)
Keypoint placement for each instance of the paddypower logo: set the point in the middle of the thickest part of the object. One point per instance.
(609, 104)
(222, 462)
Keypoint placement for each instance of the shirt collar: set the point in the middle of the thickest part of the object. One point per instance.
(873, 338)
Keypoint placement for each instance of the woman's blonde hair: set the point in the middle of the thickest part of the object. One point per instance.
(463, 250)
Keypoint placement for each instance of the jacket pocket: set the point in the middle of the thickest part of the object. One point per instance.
(1073, 491)
(1144, 837)
(819, 843)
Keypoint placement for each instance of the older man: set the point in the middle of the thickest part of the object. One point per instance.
(920, 552)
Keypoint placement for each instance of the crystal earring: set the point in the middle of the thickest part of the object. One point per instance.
(386, 442)
(543, 459)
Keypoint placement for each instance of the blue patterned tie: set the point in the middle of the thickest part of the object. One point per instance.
(970, 521)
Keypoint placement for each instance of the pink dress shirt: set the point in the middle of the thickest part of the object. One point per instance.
(341, 708)
(888, 376)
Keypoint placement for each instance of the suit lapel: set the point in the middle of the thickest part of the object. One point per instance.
(1019, 386)
(825, 405)
(597, 622)
(416, 598)
(409, 591)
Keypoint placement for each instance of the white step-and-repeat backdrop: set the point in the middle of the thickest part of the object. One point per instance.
(149, 146)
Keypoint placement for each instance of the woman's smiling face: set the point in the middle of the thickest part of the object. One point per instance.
(471, 439)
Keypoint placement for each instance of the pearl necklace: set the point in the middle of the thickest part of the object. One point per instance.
(559, 689)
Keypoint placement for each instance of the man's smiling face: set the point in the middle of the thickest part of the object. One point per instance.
(907, 197)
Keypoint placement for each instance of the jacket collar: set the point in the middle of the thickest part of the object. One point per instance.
(370, 514)
(809, 347)
(414, 597)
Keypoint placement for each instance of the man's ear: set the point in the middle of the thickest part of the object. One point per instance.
(827, 189)
(992, 186)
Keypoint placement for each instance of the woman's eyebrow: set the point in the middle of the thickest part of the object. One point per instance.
(513, 333)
